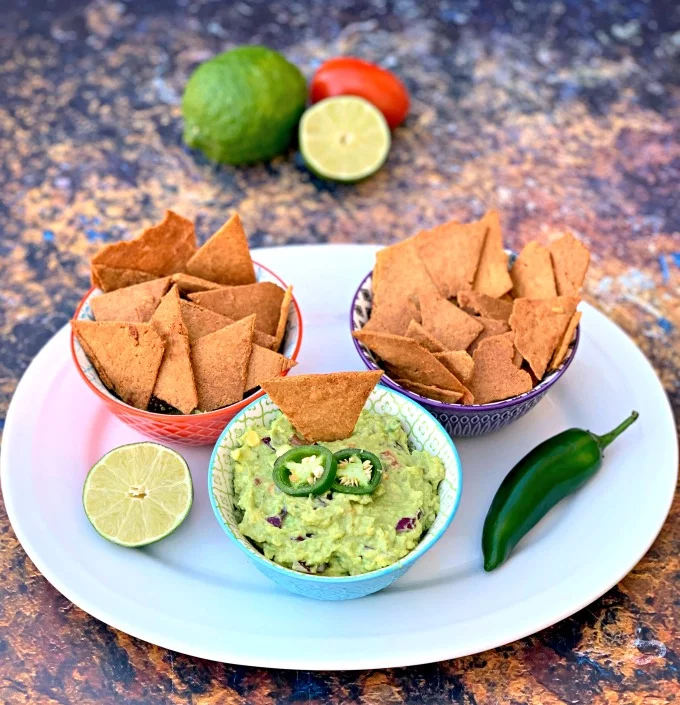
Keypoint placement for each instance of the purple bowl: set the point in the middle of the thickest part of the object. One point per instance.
(457, 419)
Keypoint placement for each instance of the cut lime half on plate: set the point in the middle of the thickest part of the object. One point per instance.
(344, 138)
(138, 493)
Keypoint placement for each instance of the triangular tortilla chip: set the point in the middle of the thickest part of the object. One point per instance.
(399, 277)
(220, 362)
(263, 299)
(404, 373)
(561, 352)
(392, 316)
(175, 382)
(429, 392)
(225, 257)
(112, 278)
(492, 276)
(422, 337)
(133, 304)
(399, 272)
(202, 321)
(127, 357)
(188, 284)
(451, 254)
(451, 326)
(160, 250)
(532, 273)
(492, 327)
(410, 359)
(495, 376)
(472, 302)
(570, 258)
(283, 318)
(457, 362)
(323, 407)
(539, 325)
(265, 364)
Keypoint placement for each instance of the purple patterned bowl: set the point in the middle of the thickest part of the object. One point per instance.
(457, 419)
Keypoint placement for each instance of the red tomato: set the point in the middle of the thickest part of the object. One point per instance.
(347, 75)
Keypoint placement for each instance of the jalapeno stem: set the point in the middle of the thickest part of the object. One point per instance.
(607, 438)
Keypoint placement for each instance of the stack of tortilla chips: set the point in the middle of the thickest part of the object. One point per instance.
(452, 322)
(182, 328)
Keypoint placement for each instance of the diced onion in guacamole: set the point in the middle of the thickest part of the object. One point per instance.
(338, 534)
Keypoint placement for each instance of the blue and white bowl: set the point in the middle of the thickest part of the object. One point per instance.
(424, 433)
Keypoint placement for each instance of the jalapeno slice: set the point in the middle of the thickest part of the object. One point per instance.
(305, 470)
(359, 472)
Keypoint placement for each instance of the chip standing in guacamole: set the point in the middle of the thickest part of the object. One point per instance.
(337, 534)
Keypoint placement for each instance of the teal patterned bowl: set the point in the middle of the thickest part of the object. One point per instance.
(424, 433)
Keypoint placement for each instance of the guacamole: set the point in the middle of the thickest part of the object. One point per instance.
(336, 533)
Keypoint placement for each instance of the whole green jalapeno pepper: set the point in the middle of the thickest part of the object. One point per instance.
(550, 472)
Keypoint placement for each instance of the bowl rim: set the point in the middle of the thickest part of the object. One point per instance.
(411, 557)
(539, 389)
(181, 419)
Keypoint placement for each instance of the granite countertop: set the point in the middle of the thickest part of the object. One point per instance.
(564, 114)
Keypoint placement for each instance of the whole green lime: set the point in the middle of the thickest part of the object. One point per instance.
(244, 105)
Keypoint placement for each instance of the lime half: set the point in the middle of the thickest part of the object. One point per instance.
(344, 138)
(138, 493)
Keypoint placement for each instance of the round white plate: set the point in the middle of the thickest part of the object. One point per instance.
(195, 593)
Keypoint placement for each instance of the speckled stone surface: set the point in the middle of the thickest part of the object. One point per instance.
(563, 114)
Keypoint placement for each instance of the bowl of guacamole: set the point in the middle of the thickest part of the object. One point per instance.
(337, 545)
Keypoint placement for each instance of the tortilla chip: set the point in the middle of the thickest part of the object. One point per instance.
(283, 318)
(451, 254)
(493, 278)
(225, 257)
(112, 278)
(133, 304)
(265, 364)
(451, 326)
(492, 327)
(539, 326)
(517, 358)
(399, 277)
(202, 321)
(409, 359)
(263, 299)
(429, 392)
(487, 306)
(458, 362)
(126, 356)
(392, 316)
(323, 407)
(220, 362)
(532, 273)
(160, 250)
(495, 376)
(189, 284)
(175, 382)
(570, 258)
(422, 337)
(405, 373)
(561, 353)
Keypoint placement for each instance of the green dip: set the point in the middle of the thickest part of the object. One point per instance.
(337, 534)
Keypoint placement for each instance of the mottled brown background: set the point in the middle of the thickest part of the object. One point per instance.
(564, 114)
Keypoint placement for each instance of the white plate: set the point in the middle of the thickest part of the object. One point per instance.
(195, 593)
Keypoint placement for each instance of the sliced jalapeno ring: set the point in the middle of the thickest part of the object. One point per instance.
(360, 480)
(305, 470)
